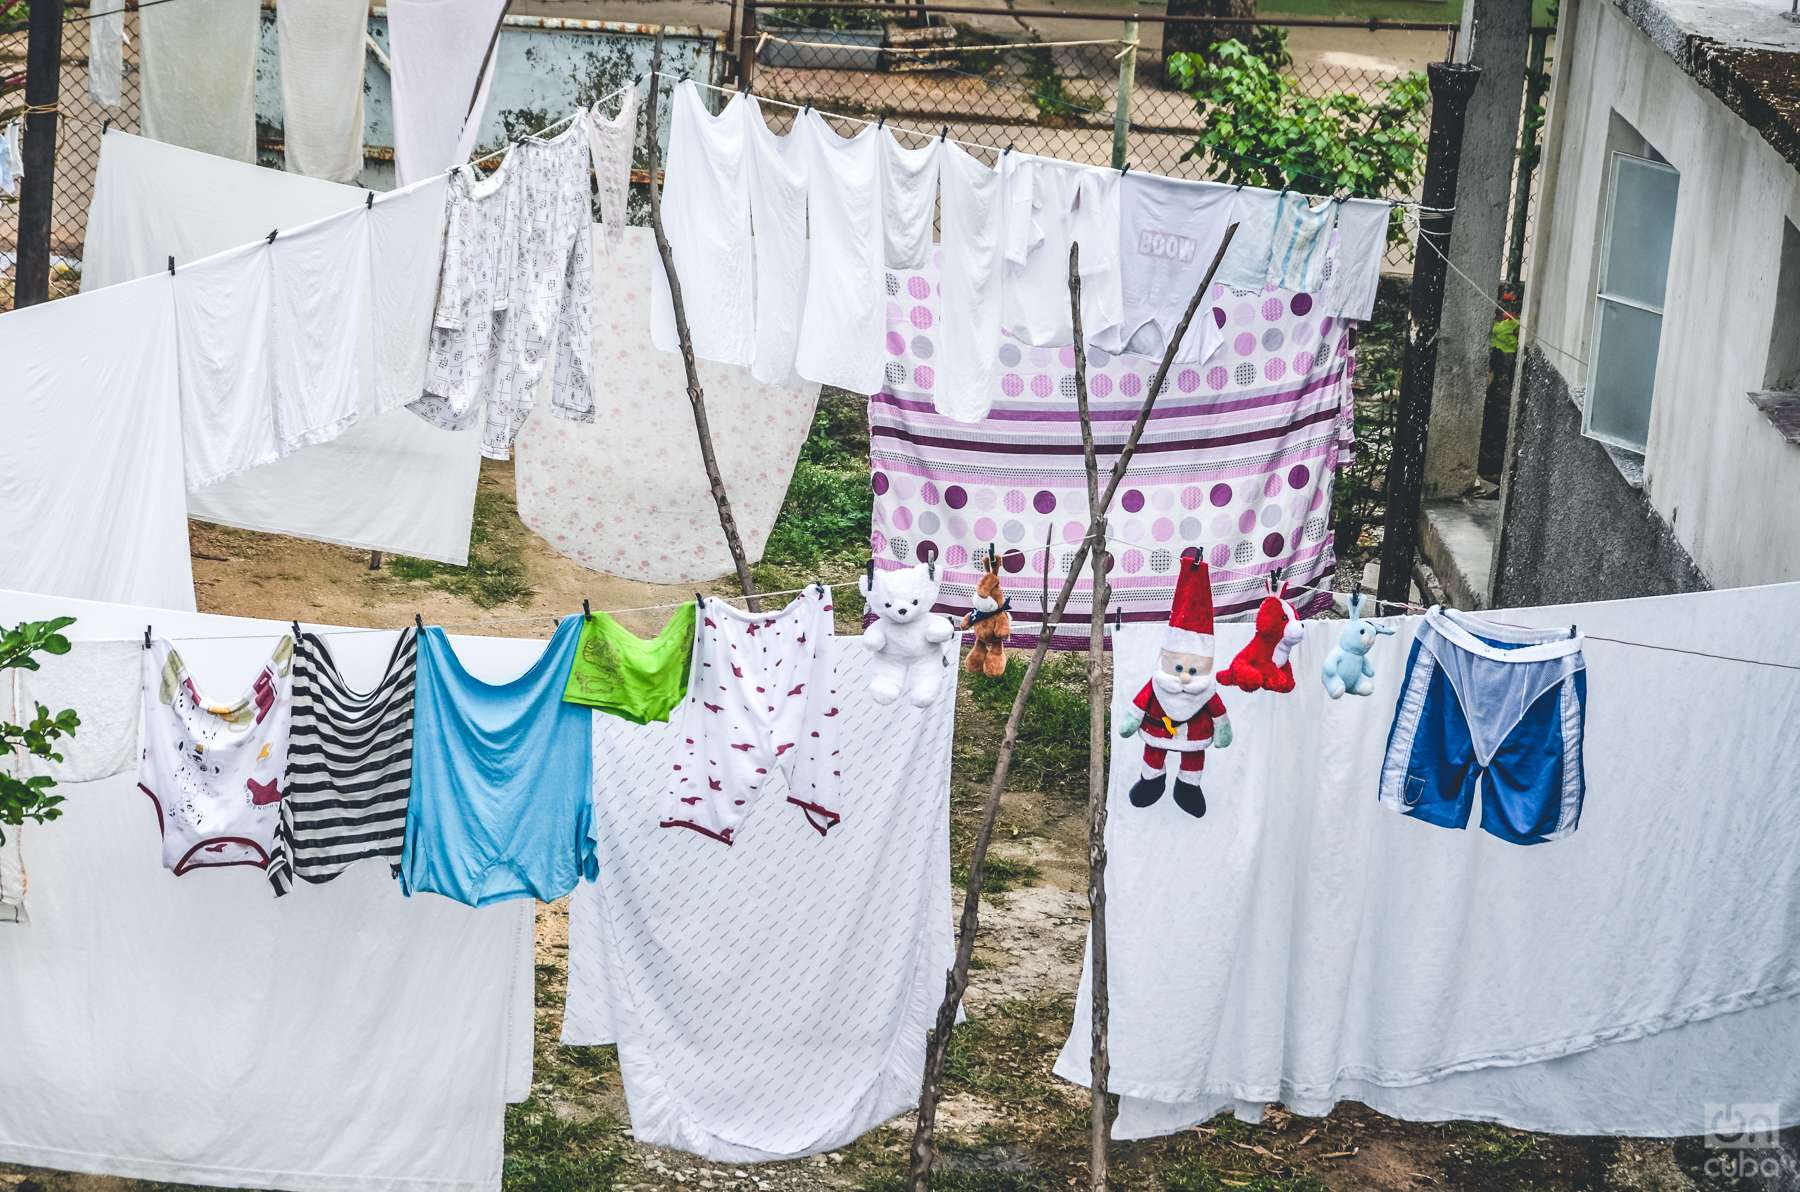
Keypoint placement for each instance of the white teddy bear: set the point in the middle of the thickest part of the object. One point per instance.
(906, 637)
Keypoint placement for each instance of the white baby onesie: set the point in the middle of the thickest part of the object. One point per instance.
(909, 190)
(761, 694)
(706, 216)
(969, 292)
(1048, 205)
(844, 326)
(610, 141)
(215, 771)
(1169, 229)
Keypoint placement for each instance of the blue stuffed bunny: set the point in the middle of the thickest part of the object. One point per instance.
(1347, 666)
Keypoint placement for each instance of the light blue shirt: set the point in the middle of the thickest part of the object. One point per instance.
(501, 781)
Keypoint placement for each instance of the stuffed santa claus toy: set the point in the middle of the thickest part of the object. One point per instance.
(1179, 709)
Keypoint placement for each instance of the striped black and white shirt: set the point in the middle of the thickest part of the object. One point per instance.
(349, 766)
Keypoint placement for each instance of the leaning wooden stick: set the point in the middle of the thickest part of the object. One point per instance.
(956, 981)
(1099, 561)
(696, 396)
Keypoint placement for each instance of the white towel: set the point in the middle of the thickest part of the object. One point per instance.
(438, 47)
(1595, 984)
(843, 327)
(319, 310)
(909, 192)
(626, 494)
(91, 500)
(1355, 268)
(322, 53)
(706, 216)
(199, 75)
(770, 1000)
(1300, 243)
(969, 285)
(778, 183)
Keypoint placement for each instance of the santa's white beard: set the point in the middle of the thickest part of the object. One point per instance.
(1180, 699)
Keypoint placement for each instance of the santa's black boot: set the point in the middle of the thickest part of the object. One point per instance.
(1189, 798)
(1146, 791)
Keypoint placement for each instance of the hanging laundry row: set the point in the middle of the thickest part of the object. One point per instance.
(795, 232)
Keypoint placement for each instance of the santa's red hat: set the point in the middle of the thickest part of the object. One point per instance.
(1190, 628)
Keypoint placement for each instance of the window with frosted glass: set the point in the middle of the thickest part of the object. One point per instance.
(1628, 299)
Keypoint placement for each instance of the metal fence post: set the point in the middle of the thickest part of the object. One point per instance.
(1452, 83)
(43, 87)
(1122, 105)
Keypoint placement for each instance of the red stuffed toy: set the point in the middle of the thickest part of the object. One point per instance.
(1265, 663)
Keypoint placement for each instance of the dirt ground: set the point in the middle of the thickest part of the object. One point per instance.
(1007, 1125)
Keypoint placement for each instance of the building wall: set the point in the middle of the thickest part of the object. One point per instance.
(1723, 484)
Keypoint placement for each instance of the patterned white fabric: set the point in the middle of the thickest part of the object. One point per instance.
(772, 999)
(628, 495)
(610, 142)
(516, 293)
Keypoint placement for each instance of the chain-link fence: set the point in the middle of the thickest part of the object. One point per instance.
(80, 122)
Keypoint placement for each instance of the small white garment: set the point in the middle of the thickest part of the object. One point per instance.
(1169, 231)
(1300, 244)
(844, 325)
(322, 53)
(627, 494)
(909, 192)
(106, 51)
(144, 1014)
(267, 337)
(102, 682)
(1049, 205)
(12, 166)
(91, 497)
(199, 75)
(778, 167)
(1246, 262)
(969, 287)
(760, 699)
(832, 980)
(610, 143)
(1619, 971)
(706, 217)
(1355, 270)
(215, 769)
(440, 88)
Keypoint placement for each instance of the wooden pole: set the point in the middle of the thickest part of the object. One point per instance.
(1100, 562)
(956, 981)
(696, 395)
(1121, 152)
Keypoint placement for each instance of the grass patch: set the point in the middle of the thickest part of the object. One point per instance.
(999, 875)
(496, 571)
(1196, 1175)
(1006, 1052)
(1052, 750)
(964, 1181)
(547, 1153)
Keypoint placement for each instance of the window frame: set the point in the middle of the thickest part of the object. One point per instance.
(1601, 297)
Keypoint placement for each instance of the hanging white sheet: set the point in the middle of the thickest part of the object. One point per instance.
(392, 482)
(770, 1000)
(627, 495)
(439, 48)
(322, 54)
(194, 1030)
(199, 75)
(91, 496)
(1614, 981)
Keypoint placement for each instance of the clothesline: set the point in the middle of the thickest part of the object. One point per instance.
(948, 47)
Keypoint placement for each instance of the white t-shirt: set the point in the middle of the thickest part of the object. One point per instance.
(1169, 230)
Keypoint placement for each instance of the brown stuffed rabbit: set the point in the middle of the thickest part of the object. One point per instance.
(991, 623)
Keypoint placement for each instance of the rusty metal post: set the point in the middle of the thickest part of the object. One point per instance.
(747, 46)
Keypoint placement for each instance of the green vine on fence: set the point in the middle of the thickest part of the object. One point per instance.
(23, 799)
(1259, 128)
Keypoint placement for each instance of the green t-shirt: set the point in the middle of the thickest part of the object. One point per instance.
(619, 672)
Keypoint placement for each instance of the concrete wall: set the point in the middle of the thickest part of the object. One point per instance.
(1723, 484)
(1576, 529)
